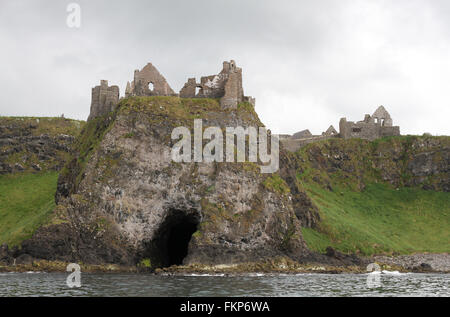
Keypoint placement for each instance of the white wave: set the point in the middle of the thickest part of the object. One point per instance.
(392, 272)
(211, 275)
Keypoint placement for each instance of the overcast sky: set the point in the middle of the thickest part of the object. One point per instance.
(308, 63)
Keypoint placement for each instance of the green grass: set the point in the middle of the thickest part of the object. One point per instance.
(26, 202)
(380, 220)
(276, 184)
(44, 125)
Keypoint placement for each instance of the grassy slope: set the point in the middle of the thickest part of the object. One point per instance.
(27, 198)
(44, 125)
(381, 219)
(26, 201)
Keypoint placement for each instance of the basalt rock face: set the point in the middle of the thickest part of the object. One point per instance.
(411, 161)
(35, 144)
(122, 199)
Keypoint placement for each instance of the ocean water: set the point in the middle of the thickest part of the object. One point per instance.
(384, 284)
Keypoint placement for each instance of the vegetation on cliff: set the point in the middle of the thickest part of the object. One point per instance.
(26, 202)
(388, 196)
(162, 114)
(32, 151)
(30, 144)
(380, 220)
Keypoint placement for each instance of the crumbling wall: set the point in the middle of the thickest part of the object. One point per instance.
(389, 131)
(382, 117)
(371, 128)
(189, 89)
(293, 145)
(148, 82)
(227, 85)
(104, 99)
(330, 131)
(302, 134)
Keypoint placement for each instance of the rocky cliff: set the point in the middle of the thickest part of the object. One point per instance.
(35, 144)
(121, 199)
(410, 161)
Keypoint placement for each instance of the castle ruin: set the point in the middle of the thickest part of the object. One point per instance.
(104, 99)
(226, 86)
(148, 82)
(371, 128)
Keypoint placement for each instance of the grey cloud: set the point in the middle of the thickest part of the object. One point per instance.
(308, 63)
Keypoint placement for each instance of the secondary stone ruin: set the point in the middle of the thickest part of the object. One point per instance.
(226, 86)
(371, 128)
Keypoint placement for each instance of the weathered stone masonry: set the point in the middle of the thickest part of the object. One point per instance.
(148, 82)
(104, 99)
(372, 127)
(227, 85)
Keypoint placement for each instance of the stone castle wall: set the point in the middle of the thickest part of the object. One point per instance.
(371, 128)
(104, 99)
(226, 86)
(293, 145)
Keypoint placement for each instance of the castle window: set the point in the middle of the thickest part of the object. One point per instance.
(150, 86)
(356, 130)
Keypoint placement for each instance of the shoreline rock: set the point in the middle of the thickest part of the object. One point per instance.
(420, 262)
(438, 263)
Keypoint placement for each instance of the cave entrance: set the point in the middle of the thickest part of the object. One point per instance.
(171, 242)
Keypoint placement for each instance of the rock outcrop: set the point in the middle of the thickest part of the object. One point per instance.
(122, 199)
(401, 161)
(35, 144)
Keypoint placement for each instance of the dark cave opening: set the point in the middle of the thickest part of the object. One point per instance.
(178, 242)
(171, 242)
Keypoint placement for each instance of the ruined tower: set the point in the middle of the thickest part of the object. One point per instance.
(104, 99)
